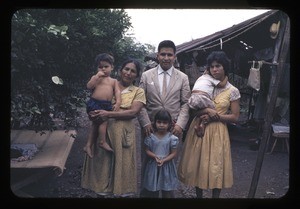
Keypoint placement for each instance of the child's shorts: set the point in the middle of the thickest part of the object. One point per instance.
(94, 104)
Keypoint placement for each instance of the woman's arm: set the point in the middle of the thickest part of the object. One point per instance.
(124, 114)
(226, 118)
(208, 112)
(234, 115)
(207, 115)
(118, 97)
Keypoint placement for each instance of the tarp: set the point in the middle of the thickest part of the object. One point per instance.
(247, 41)
(221, 37)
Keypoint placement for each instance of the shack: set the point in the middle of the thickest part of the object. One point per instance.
(260, 44)
(256, 40)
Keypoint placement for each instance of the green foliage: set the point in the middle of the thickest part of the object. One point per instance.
(62, 43)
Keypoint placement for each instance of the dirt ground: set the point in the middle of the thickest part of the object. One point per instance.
(273, 180)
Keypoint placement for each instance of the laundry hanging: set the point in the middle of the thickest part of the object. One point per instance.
(254, 76)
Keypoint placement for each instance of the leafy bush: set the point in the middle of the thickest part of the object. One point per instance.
(62, 43)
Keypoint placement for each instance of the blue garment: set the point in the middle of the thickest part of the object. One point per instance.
(163, 177)
(94, 104)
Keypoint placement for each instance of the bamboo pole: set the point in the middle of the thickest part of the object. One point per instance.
(269, 114)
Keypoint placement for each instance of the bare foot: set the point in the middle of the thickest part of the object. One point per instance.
(88, 151)
(105, 146)
(199, 130)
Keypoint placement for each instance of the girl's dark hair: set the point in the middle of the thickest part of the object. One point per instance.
(137, 64)
(221, 58)
(162, 115)
(167, 44)
(104, 57)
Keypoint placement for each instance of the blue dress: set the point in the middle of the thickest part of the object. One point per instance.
(163, 177)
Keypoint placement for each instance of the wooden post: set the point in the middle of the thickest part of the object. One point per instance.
(269, 114)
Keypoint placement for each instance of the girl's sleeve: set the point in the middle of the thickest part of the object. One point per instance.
(174, 141)
(147, 141)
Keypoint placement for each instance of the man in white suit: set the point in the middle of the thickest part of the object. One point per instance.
(177, 92)
(176, 95)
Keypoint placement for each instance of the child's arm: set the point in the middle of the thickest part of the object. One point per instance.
(117, 93)
(95, 79)
(223, 83)
(152, 155)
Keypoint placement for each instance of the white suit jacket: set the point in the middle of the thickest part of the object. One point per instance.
(175, 101)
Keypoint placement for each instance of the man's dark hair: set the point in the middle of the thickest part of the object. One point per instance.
(167, 44)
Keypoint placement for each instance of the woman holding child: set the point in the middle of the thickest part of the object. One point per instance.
(206, 162)
(115, 173)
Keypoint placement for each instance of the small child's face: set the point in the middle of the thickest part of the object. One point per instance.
(162, 125)
(105, 67)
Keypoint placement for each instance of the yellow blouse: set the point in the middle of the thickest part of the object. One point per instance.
(131, 94)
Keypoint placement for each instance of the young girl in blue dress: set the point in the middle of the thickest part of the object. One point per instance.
(161, 149)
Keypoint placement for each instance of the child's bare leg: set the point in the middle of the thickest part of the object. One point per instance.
(92, 136)
(200, 128)
(102, 134)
